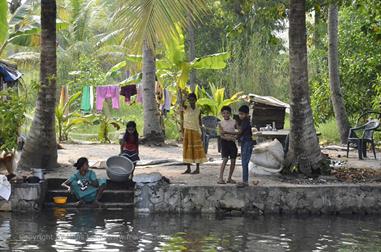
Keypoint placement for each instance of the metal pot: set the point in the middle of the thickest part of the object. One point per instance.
(119, 168)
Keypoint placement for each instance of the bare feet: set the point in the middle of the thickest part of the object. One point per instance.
(79, 203)
(187, 171)
(221, 181)
(231, 181)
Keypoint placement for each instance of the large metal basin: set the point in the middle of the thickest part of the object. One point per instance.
(119, 168)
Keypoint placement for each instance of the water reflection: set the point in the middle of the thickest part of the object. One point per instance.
(88, 230)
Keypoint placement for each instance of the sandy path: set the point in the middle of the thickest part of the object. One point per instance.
(209, 171)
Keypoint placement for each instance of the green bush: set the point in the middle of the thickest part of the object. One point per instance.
(12, 109)
(329, 132)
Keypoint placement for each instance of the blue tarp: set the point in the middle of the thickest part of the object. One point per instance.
(8, 73)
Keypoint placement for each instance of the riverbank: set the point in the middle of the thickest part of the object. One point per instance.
(357, 189)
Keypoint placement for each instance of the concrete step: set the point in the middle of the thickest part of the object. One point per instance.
(55, 183)
(109, 196)
(71, 205)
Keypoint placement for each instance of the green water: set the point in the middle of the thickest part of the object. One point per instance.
(105, 230)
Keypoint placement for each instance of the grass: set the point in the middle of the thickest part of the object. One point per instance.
(328, 130)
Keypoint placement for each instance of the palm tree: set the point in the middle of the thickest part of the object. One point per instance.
(148, 22)
(304, 149)
(334, 79)
(191, 54)
(40, 150)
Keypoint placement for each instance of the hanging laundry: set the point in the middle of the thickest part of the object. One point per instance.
(91, 98)
(159, 93)
(107, 92)
(85, 101)
(139, 93)
(127, 92)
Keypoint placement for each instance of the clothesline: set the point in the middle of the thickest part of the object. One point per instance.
(113, 93)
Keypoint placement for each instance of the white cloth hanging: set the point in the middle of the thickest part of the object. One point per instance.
(91, 97)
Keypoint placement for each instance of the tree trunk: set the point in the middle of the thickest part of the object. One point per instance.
(40, 150)
(304, 149)
(334, 79)
(152, 130)
(316, 37)
(191, 54)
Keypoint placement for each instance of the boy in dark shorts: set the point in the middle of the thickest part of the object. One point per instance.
(227, 128)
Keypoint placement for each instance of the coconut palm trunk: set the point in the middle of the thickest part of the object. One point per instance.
(334, 79)
(304, 151)
(40, 150)
(191, 53)
(152, 130)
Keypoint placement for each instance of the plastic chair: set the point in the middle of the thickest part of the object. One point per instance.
(367, 137)
(209, 130)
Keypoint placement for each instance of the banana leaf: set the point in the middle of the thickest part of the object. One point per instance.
(219, 95)
(134, 58)
(29, 37)
(3, 21)
(23, 11)
(113, 72)
(213, 61)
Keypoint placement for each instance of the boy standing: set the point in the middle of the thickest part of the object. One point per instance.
(228, 147)
(246, 137)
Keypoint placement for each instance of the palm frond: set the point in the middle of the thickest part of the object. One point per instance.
(156, 20)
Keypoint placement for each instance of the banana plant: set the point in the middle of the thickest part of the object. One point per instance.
(67, 121)
(211, 104)
(174, 66)
(22, 28)
(105, 122)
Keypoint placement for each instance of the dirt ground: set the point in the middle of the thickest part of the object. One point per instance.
(97, 153)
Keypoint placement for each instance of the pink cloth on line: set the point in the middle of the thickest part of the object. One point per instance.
(139, 95)
(107, 92)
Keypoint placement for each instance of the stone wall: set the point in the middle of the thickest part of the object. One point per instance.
(25, 197)
(313, 199)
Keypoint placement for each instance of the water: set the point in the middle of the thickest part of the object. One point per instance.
(88, 230)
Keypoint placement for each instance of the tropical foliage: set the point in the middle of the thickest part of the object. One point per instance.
(99, 41)
(12, 109)
(66, 121)
(212, 103)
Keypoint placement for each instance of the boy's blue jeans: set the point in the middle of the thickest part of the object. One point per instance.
(246, 150)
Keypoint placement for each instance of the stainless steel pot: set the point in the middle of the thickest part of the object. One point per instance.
(119, 168)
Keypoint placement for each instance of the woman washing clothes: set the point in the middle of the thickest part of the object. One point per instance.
(84, 184)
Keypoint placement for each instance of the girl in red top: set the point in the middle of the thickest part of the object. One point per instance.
(130, 143)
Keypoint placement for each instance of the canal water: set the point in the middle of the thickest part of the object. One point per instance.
(106, 230)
